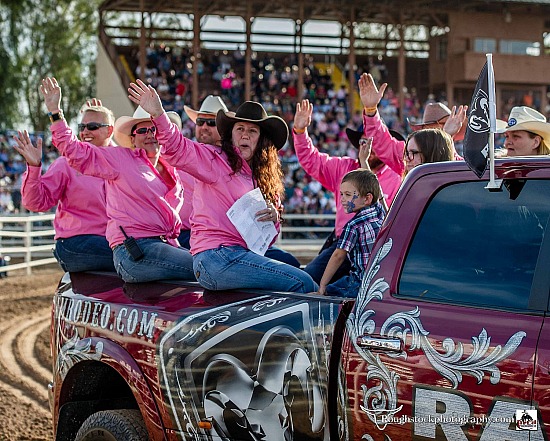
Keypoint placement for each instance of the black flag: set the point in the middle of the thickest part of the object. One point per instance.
(476, 138)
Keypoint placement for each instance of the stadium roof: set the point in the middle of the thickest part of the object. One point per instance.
(427, 12)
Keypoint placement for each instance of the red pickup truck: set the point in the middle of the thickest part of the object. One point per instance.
(447, 339)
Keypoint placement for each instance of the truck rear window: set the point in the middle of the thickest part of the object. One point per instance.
(478, 247)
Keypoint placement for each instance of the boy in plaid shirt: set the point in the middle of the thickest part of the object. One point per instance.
(360, 194)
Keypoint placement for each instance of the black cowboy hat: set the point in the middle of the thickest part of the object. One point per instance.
(355, 135)
(275, 127)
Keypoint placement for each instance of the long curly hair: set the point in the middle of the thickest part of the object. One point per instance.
(265, 166)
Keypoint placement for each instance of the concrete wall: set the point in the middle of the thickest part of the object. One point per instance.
(110, 91)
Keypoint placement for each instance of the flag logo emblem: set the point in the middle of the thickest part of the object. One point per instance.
(478, 120)
(526, 419)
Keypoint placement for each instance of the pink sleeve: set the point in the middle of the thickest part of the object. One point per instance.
(84, 157)
(386, 147)
(322, 167)
(40, 193)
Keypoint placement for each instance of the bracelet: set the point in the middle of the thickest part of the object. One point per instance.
(56, 116)
(299, 131)
(371, 109)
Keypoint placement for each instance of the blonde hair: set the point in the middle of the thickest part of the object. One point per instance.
(108, 116)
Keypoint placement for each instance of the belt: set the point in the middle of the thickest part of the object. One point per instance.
(162, 238)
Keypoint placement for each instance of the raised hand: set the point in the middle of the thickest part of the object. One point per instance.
(369, 93)
(52, 94)
(456, 120)
(32, 154)
(364, 152)
(302, 118)
(94, 102)
(147, 97)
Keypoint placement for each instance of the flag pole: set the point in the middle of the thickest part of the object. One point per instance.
(494, 184)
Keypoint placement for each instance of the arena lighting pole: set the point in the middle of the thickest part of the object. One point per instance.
(196, 54)
(351, 62)
(299, 27)
(248, 54)
(142, 55)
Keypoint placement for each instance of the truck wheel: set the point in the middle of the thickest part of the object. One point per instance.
(113, 425)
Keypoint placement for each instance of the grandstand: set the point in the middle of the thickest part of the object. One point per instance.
(432, 47)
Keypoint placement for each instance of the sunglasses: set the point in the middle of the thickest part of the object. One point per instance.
(144, 130)
(91, 126)
(410, 154)
(202, 121)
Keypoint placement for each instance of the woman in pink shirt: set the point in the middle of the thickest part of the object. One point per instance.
(80, 218)
(143, 193)
(247, 159)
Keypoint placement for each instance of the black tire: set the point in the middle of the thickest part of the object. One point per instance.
(113, 425)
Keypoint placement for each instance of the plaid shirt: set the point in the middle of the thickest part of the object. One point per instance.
(358, 237)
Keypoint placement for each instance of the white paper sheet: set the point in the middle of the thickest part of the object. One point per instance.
(257, 235)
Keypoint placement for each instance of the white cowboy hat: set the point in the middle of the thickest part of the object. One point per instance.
(124, 124)
(210, 106)
(525, 118)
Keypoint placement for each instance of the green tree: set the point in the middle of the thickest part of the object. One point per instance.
(42, 38)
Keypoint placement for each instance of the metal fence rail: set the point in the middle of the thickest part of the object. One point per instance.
(30, 238)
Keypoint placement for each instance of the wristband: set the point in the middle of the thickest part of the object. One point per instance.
(55, 116)
(299, 131)
(371, 109)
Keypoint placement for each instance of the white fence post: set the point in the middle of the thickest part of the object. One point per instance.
(16, 239)
(20, 229)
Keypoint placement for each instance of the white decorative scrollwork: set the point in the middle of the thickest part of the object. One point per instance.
(208, 324)
(258, 306)
(76, 350)
(380, 401)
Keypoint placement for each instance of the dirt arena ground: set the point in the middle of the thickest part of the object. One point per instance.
(25, 361)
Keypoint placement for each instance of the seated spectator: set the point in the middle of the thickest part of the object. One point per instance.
(143, 193)
(360, 194)
(247, 159)
(527, 132)
(329, 171)
(80, 221)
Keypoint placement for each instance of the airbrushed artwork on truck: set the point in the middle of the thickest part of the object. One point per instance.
(255, 370)
(380, 400)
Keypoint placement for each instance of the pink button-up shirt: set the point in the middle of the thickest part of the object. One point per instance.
(188, 182)
(216, 186)
(329, 171)
(389, 149)
(80, 199)
(138, 198)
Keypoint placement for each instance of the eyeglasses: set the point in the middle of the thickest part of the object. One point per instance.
(91, 126)
(209, 122)
(363, 141)
(144, 130)
(410, 154)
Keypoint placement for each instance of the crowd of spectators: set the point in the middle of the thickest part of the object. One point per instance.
(274, 85)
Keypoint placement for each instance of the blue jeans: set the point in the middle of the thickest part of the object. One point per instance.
(272, 252)
(86, 252)
(161, 261)
(282, 256)
(183, 239)
(317, 266)
(347, 286)
(231, 267)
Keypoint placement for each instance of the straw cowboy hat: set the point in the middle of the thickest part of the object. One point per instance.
(433, 113)
(355, 135)
(525, 118)
(210, 106)
(252, 112)
(124, 124)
